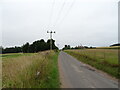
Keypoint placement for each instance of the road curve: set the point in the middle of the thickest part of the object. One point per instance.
(74, 74)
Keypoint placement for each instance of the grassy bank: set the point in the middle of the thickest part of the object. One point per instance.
(38, 70)
(103, 59)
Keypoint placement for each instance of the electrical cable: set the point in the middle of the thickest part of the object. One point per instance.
(59, 13)
(51, 14)
(67, 12)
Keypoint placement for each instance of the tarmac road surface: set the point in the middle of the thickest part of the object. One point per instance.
(74, 74)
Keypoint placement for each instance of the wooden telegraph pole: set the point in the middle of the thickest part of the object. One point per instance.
(51, 32)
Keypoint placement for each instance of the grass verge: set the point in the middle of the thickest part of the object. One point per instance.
(39, 70)
(94, 58)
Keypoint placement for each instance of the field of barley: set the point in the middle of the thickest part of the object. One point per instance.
(30, 70)
(103, 59)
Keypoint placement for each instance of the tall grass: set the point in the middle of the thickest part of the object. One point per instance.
(103, 59)
(31, 71)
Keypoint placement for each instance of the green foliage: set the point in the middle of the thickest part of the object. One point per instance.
(1, 48)
(36, 46)
(25, 48)
(12, 50)
(118, 44)
(53, 44)
(66, 47)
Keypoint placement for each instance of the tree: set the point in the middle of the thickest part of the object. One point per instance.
(12, 50)
(115, 45)
(43, 45)
(1, 49)
(31, 48)
(25, 48)
(36, 46)
(53, 44)
(66, 47)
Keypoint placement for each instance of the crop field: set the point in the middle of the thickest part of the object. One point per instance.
(113, 47)
(12, 55)
(103, 59)
(32, 70)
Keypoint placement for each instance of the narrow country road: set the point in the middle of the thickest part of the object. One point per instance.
(75, 74)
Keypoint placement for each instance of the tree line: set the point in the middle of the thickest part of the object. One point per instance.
(76, 47)
(36, 46)
(118, 44)
(85, 47)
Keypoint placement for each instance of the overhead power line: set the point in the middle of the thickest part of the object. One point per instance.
(67, 12)
(59, 13)
(51, 13)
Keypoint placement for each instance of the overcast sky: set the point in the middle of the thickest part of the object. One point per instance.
(76, 22)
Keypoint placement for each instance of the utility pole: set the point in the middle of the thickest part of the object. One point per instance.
(51, 32)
